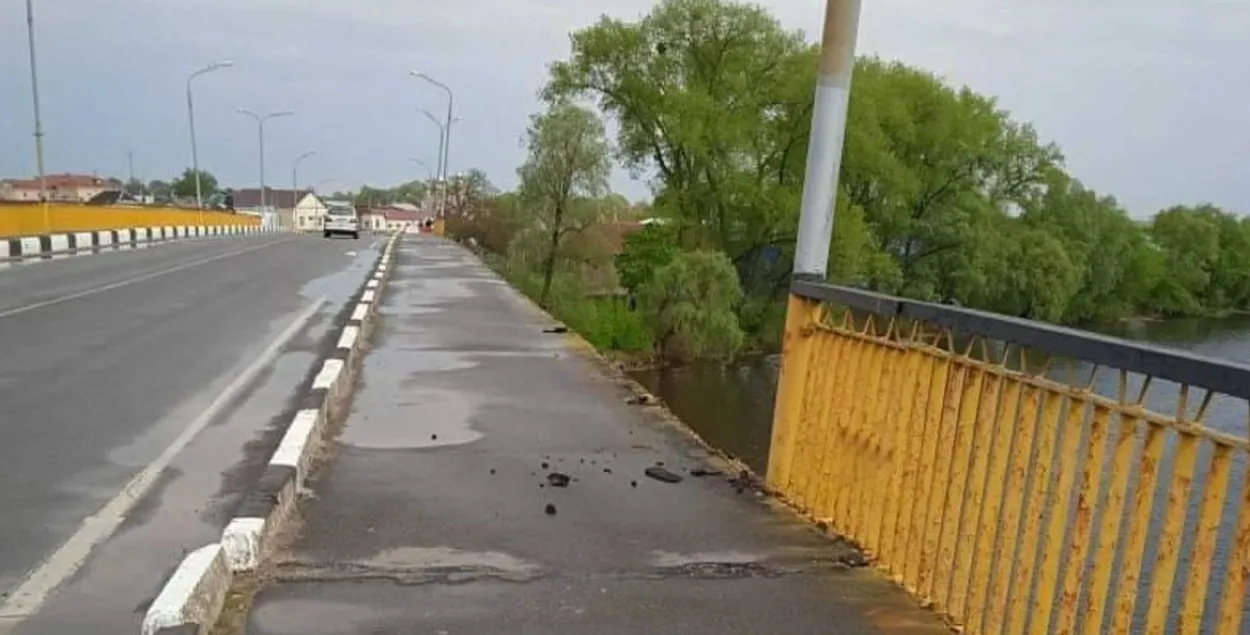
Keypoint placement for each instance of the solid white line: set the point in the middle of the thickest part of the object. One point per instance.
(129, 281)
(328, 374)
(348, 338)
(69, 557)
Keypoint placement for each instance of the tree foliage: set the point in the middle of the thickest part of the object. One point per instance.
(689, 305)
(184, 185)
(568, 159)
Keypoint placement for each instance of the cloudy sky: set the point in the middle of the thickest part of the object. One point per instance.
(1147, 98)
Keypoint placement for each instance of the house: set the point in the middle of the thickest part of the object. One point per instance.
(284, 207)
(62, 188)
(403, 216)
(310, 213)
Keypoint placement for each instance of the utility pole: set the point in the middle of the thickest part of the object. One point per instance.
(130, 163)
(34, 92)
(824, 148)
(811, 253)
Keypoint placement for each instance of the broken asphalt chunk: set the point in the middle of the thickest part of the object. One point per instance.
(558, 479)
(550, 509)
(660, 473)
(556, 329)
(699, 471)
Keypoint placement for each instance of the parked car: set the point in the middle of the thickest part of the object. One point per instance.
(341, 219)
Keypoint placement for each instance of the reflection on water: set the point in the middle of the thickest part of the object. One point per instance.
(731, 408)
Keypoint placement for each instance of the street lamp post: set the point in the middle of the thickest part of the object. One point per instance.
(446, 153)
(34, 92)
(260, 134)
(425, 165)
(295, 181)
(442, 139)
(195, 159)
(295, 172)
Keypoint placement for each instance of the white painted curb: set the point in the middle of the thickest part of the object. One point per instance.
(196, 592)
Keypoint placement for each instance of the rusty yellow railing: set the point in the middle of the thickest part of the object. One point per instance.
(1101, 489)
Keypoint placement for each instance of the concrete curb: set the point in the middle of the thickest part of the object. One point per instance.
(192, 598)
(64, 245)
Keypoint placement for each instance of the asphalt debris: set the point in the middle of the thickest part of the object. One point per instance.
(662, 474)
(558, 479)
(607, 470)
(633, 483)
(699, 471)
(550, 509)
(546, 465)
(556, 329)
(492, 470)
(745, 480)
(640, 400)
(433, 437)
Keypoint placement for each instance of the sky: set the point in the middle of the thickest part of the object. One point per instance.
(1146, 98)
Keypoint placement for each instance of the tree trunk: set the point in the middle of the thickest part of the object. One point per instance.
(549, 263)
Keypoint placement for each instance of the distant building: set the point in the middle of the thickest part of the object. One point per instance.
(62, 188)
(401, 217)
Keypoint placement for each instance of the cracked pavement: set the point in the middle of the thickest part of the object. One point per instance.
(435, 513)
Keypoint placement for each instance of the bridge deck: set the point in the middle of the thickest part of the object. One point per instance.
(433, 513)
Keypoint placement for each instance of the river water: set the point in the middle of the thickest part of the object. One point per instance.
(731, 407)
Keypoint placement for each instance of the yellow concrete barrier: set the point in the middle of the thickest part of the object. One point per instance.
(1015, 495)
(31, 220)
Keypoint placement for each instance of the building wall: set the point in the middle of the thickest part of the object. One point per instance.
(309, 214)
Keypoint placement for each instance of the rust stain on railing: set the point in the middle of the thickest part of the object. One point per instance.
(1002, 497)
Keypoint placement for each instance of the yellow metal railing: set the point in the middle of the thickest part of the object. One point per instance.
(1090, 491)
(35, 219)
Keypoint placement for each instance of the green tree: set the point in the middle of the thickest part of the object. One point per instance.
(645, 251)
(689, 305)
(568, 158)
(184, 185)
(161, 192)
(714, 98)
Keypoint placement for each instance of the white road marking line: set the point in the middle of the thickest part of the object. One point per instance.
(367, 296)
(360, 311)
(130, 281)
(372, 284)
(26, 599)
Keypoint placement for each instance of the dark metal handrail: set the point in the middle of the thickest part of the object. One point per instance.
(1221, 376)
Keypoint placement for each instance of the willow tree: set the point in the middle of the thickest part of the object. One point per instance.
(568, 160)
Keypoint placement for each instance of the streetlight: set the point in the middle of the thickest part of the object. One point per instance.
(295, 172)
(260, 133)
(451, 99)
(424, 165)
(34, 91)
(443, 134)
(195, 159)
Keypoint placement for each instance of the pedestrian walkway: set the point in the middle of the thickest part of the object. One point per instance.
(443, 507)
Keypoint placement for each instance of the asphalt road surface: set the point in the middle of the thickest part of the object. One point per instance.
(105, 362)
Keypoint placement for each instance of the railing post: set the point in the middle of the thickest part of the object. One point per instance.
(795, 352)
